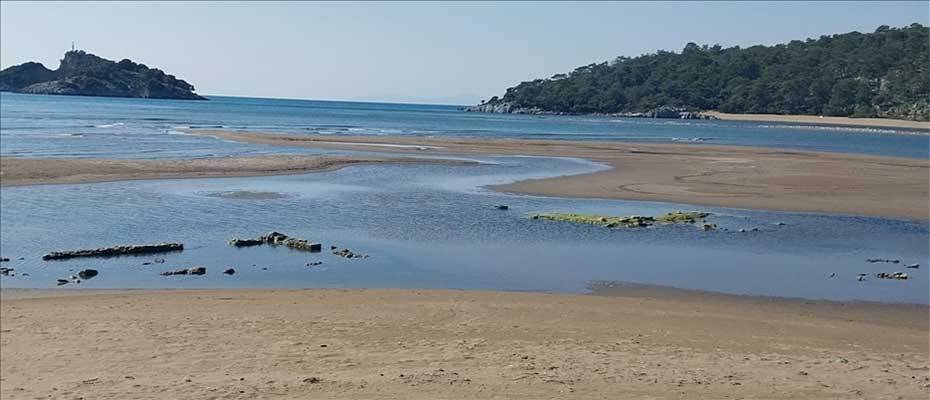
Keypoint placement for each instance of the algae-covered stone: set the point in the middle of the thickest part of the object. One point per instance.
(302, 244)
(610, 222)
(633, 221)
(689, 217)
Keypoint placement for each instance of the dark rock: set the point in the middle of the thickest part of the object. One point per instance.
(246, 242)
(892, 275)
(197, 270)
(882, 260)
(913, 266)
(278, 238)
(312, 379)
(348, 254)
(229, 271)
(87, 273)
(274, 238)
(4, 271)
(503, 207)
(85, 74)
(63, 282)
(115, 251)
(175, 272)
(4, 259)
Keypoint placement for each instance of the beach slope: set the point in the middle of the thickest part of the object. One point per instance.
(409, 344)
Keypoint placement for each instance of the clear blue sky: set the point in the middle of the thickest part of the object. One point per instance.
(457, 52)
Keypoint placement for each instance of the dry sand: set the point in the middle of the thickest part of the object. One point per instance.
(818, 120)
(31, 171)
(425, 344)
(731, 176)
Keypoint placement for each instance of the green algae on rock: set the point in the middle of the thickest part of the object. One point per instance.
(610, 222)
(634, 221)
(682, 216)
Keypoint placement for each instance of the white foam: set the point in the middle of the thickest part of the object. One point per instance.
(400, 146)
(113, 125)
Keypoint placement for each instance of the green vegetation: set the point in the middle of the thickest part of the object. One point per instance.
(634, 221)
(879, 74)
(682, 217)
(85, 74)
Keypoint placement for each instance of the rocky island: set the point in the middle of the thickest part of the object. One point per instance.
(85, 74)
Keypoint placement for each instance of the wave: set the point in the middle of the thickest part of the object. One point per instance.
(113, 125)
(692, 139)
(832, 128)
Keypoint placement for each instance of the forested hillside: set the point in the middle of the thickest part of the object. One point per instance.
(878, 74)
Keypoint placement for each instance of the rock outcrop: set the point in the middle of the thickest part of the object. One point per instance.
(501, 107)
(85, 74)
(278, 238)
(115, 251)
(187, 271)
(87, 273)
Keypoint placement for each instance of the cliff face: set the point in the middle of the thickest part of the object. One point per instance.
(85, 74)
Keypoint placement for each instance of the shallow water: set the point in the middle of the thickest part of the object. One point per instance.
(433, 226)
(426, 226)
(75, 126)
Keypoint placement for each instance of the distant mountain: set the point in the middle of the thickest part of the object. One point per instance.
(85, 74)
(881, 74)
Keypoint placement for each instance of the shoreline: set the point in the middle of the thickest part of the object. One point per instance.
(420, 344)
(923, 126)
(16, 171)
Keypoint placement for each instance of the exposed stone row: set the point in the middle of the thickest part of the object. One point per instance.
(115, 251)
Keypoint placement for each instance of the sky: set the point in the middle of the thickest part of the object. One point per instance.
(453, 53)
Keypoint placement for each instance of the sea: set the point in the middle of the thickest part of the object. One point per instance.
(425, 226)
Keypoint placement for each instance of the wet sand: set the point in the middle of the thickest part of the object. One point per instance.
(817, 120)
(35, 171)
(730, 176)
(427, 344)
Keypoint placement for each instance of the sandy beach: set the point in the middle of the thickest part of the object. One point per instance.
(35, 171)
(731, 176)
(426, 344)
(823, 120)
